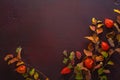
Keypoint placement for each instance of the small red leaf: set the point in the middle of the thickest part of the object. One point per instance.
(78, 54)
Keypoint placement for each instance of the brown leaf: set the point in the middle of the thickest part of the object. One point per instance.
(111, 42)
(99, 58)
(111, 51)
(106, 71)
(118, 19)
(99, 30)
(93, 38)
(90, 47)
(98, 66)
(8, 56)
(118, 37)
(117, 27)
(82, 66)
(110, 34)
(118, 50)
(87, 52)
(13, 60)
(93, 28)
(96, 38)
(87, 75)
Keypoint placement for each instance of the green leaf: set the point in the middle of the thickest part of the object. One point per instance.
(65, 60)
(32, 71)
(79, 76)
(103, 77)
(18, 49)
(72, 55)
(110, 63)
(28, 79)
(105, 54)
(70, 65)
(36, 76)
(25, 75)
(100, 71)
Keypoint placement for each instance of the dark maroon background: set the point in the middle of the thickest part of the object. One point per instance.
(44, 28)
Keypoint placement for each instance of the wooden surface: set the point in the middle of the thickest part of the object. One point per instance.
(44, 28)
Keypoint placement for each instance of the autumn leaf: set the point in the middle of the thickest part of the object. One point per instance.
(118, 19)
(110, 34)
(110, 63)
(103, 77)
(65, 60)
(93, 28)
(94, 21)
(99, 58)
(32, 71)
(117, 11)
(118, 37)
(105, 54)
(87, 52)
(93, 38)
(106, 71)
(8, 56)
(117, 27)
(78, 54)
(90, 47)
(100, 71)
(20, 63)
(118, 50)
(99, 30)
(13, 60)
(36, 76)
(98, 65)
(72, 55)
(99, 25)
(65, 53)
(111, 42)
(111, 51)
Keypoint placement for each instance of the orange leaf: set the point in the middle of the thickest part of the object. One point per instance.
(87, 52)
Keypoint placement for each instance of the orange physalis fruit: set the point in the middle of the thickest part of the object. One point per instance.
(89, 62)
(65, 70)
(105, 46)
(109, 23)
(21, 69)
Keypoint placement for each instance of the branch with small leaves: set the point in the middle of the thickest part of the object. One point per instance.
(27, 71)
(98, 53)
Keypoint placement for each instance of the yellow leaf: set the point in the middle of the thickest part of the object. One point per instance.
(87, 52)
(19, 63)
(117, 11)
(90, 38)
(100, 25)
(93, 38)
(94, 21)
(36, 76)
(99, 30)
(47, 79)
